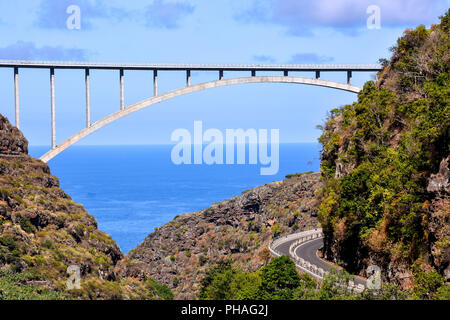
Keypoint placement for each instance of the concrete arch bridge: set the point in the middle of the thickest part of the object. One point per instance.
(123, 111)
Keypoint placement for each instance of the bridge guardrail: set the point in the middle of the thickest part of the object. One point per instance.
(275, 243)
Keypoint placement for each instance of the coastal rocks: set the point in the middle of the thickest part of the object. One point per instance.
(240, 228)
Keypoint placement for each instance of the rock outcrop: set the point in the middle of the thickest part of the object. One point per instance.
(12, 141)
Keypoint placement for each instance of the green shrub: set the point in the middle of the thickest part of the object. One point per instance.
(13, 287)
(26, 224)
(162, 290)
(276, 229)
(48, 244)
(202, 260)
(426, 284)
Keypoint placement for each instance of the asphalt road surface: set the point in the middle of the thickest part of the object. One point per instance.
(308, 251)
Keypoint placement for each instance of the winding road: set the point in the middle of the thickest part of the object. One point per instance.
(308, 251)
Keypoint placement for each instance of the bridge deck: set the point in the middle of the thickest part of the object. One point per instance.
(204, 67)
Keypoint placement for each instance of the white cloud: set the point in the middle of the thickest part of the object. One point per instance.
(25, 50)
(302, 16)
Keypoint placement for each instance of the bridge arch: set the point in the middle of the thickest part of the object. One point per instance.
(189, 89)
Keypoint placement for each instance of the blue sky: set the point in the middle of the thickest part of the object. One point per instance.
(192, 31)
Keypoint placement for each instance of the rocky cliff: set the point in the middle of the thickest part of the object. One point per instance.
(385, 165)
(42, 232)
(438, 213)
(239, 229)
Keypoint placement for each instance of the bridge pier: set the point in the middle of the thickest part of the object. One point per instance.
(122, 97)
(349, 77)
(88, 98)
(52, 99)
(253, 73)
(317, 74)
(220, 74)
(16, 96)
(286, 73)
(155, 82)
(188, 78)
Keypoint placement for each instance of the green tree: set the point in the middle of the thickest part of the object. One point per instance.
(443, 293)
(307, 290)
(217, 270)
(224, 282)
(279, 279)
(335, 286)
(246, 285)
(426, 284)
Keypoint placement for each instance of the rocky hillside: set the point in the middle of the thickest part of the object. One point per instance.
(42, 232)
(385, 165)
(241, 228)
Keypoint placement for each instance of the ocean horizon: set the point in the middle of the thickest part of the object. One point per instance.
(133, 189)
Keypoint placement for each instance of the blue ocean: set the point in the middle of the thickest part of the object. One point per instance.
(131, 190)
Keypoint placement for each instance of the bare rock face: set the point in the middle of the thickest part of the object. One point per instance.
(439, 183)
(439, 217)
(240, 228)
(12, 141)
(343, 169)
